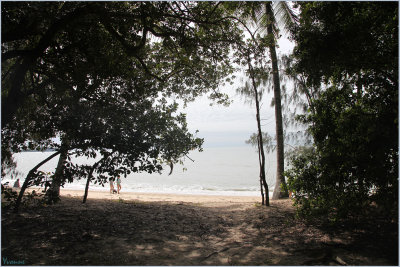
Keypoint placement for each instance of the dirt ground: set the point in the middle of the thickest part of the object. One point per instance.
(120, 232)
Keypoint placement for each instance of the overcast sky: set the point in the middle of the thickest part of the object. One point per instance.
(222, 126)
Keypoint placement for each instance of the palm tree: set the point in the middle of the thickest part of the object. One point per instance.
(273, 16)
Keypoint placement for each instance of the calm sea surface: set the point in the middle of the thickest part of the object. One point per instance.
(215, 171)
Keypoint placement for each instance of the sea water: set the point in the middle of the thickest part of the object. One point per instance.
(230, 171)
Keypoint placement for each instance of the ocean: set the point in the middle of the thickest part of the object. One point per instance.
(232, 171)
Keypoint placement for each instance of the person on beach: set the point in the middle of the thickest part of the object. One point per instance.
(118, 184)
(111, 185)
(46, 181)
(16, 184)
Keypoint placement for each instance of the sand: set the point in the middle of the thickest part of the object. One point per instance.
(157, 197)
(167, 229)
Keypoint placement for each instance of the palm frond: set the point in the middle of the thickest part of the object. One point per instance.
(284, 15)
(280, 14)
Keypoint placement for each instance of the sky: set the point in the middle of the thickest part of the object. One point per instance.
(231, 126)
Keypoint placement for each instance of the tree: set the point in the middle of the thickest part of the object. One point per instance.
(63, 60)
(353, 119)
(183, 46)
(271, 24)
(271, 15)
(251, 55)
(130, 137)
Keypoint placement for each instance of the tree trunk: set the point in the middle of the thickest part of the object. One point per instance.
(260, 143)
(53, 193)
(263, 182)
(90, 176)
(87, 185)
(11, 102)
(261, 176)
(262, 191)
(280, 179)
(29, 178)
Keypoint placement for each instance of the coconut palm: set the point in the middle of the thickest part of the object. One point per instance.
(273, 16)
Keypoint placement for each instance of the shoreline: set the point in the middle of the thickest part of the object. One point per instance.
(157, 197)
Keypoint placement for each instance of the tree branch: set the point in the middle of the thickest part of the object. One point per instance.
(16, 53)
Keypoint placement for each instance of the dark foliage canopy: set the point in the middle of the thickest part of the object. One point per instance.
(350, 50)
(98, 74)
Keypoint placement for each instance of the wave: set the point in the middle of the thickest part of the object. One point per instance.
(165, 189)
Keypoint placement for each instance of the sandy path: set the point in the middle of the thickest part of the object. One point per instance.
(154, 229)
